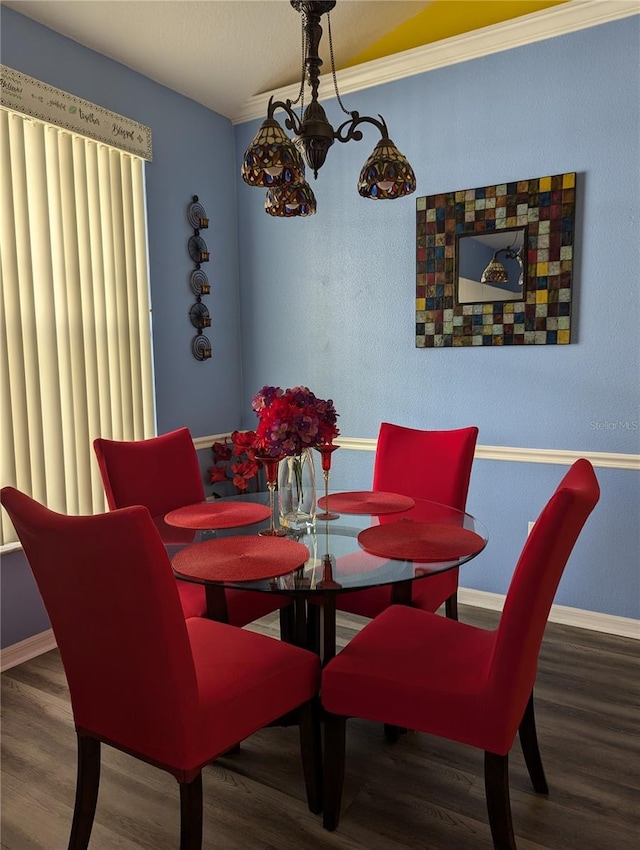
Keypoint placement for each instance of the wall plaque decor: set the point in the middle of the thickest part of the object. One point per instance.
(494, 265)
(198, 281)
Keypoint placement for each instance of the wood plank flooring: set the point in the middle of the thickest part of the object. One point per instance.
(422, 792)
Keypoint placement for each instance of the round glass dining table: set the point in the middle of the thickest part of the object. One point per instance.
(377, 539)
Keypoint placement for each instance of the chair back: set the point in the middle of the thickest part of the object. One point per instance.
(161, 473)
(432, 465)
(114, 608)
(533, 588)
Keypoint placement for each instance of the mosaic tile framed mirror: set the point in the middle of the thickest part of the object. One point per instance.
(494, 265)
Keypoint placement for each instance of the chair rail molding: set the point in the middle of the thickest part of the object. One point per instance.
(563, 457)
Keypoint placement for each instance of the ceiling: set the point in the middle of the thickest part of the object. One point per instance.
(222, 52)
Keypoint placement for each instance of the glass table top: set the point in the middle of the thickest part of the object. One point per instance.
(354, 551)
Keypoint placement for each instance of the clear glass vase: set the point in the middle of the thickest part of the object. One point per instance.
(297, 491)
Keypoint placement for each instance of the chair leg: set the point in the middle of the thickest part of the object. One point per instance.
(392, 733)
(87, 783)
(335, 731)
(191, 814)
(311, 751)
(529, 743)
(451, 606)
(496, 784)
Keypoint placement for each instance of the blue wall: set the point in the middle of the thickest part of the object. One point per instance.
(329, 300)
(337, 289)
(190, 144)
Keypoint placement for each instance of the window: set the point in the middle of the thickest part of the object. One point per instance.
(75, 321)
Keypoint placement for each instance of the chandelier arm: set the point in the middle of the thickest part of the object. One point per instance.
(348, 130)
(511, 253)
(292, 121)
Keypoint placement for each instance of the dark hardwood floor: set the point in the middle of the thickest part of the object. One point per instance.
(422, 792)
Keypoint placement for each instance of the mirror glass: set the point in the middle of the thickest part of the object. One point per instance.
(491, 266)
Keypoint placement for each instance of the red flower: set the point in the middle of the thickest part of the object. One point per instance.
(292, 420)
(221, 451)
(235, 460)
(217, 473)
(245, 468)
(244, 442)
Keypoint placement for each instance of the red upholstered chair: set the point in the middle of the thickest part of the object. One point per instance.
(414, 669)
(163, 474)
(432, 465)
(175, 693)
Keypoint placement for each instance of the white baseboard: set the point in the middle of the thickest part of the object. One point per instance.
(592, 620)
(26, 649)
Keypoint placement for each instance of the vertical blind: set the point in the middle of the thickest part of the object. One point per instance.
(75, 323)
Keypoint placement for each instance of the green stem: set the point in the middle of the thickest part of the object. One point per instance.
(297, 471)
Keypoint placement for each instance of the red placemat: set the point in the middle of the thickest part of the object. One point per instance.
(367, 502)
(420, 541)
(217, 515)
(240, 558)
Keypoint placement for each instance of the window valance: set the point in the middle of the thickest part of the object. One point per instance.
(39, 100)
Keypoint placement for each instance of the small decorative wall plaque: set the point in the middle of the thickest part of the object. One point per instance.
(494, 265)
(198, 281)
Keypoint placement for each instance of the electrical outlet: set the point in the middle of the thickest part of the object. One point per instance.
(529, 527)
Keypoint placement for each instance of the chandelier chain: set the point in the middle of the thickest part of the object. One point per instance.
(300, 97)
(333, 69)
(304, 56)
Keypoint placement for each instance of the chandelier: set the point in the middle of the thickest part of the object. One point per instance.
(277, 163)
(495, 271)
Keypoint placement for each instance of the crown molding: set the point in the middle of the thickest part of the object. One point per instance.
(538, 26)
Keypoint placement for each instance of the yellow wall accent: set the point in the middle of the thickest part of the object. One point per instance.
(446, 18)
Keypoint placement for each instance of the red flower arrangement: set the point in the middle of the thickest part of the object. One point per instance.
(235, 460)
(292, 420)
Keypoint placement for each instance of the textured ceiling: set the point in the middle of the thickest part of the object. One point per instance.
(222, 52)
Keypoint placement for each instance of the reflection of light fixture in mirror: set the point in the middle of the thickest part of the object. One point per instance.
(273, 161)
(495, 272)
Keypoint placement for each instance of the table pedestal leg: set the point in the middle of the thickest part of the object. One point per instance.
(300, 606)
(401, 593)
(328, 627)
(216, 603)
(313, 628)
